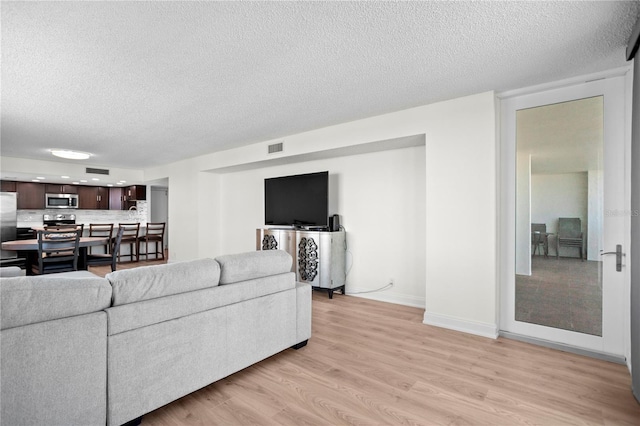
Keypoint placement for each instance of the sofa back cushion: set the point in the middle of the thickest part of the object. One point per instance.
(252, 265)
(150, 282)
(34, 299)
(11, 271)
(129, 317)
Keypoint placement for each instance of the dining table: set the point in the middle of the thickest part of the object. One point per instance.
(28, 250)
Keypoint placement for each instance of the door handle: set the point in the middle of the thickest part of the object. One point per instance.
(618, 254)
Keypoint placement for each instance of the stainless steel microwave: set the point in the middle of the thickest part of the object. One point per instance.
(61, 201)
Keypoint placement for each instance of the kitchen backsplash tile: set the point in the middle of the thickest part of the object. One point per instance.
(27, 218)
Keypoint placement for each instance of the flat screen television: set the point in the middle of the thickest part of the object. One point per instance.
(298, 201)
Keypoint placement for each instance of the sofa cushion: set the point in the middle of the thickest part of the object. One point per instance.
(148, 312)
(253, 264)
(11, 271)
(150, 282)
(33, 299)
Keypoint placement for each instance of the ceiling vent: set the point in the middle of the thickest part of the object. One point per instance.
(97, 171)
(276, 147)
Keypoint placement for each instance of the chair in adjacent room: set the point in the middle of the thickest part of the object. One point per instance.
(539, 239)
(101, 230)
(131, 237)
(110, 257)
(154, 235)
(57, 251)
(570, 235)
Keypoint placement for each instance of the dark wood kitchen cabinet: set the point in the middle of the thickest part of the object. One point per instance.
(135, 193)
(30, 195)
(8, 186)
(54, 188)
(93, 197)
(103, 198)
(116, 198)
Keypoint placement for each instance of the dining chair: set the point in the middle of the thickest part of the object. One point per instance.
(154, 235)
(539, 237)
(131, 237)
(101, 230)
(110, 257)
(57, 251)
(569, 235)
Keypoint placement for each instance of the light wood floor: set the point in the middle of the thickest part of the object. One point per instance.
(374, 363)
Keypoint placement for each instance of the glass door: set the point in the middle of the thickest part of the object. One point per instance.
(564, 152)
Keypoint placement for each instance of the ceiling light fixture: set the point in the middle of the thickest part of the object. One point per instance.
(65, 177)
(70, 155)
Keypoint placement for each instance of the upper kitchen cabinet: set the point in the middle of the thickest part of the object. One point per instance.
(54, 188)
(30, 195)
(8, 186)
(93, 197)
(116, 198)
(132, 194)
(135, 193)
(103, 198)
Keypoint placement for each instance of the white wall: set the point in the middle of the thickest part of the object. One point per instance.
(559, 195)
(159, 210)
(380, 198)
(459, 264)
(462, 215)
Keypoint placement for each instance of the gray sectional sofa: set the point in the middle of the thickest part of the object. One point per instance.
(77, 349)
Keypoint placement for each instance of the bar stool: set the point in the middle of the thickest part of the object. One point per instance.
(154, 235)
(130, 236)
(101, 230)
(107, 258)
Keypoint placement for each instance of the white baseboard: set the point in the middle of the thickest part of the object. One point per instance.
(382, 296)
(458, 324)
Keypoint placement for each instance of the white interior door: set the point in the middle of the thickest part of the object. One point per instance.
(597, 193)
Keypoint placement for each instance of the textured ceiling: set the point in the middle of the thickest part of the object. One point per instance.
(142, 84)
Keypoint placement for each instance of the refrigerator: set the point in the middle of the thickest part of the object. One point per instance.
(9, 221)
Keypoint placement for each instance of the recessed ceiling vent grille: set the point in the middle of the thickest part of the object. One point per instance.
(276, 147)
(97, 171)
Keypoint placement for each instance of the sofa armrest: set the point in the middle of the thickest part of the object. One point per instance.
(303, 311)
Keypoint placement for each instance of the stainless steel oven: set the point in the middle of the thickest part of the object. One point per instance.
(58, 219)
(61, 201)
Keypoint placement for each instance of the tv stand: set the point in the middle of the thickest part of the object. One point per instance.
(319, 257)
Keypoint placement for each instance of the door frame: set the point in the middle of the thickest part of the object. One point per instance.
(614, 84)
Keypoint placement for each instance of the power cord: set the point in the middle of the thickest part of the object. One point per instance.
(346, 250)
(373, 291)
(342, 228)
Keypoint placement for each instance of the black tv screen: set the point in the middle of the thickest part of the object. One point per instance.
(300, 200)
